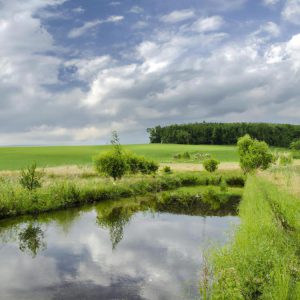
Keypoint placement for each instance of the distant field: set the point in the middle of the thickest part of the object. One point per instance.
(14, 158)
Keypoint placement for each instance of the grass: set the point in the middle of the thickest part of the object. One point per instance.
(63, 192)
(15, 158)
(262, 261)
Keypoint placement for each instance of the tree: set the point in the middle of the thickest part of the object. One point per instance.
(254, 154)
(210, 165)
(112, 163)
(117, 162)
(30, 178)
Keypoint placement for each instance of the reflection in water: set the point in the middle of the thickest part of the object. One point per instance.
(115, 220)
(31, 239)
(159, 256)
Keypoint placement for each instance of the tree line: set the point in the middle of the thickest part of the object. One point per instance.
(280, 135)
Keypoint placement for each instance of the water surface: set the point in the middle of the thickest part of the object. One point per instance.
(107, 251)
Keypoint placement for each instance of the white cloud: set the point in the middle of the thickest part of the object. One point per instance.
(178, 16)
(115, 3)
(270, 2)
(177, 73)
(266, 32)
(291, 11)
(78, 10)
(207, 24)
(79, 31)
(136, 10)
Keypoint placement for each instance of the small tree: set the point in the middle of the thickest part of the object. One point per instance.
(254, 154)
(30, 178)
(112, 163)
(211, 164)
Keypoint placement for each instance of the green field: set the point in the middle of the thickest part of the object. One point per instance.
(14, 158)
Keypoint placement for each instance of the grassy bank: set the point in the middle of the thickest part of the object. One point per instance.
(15, 158)
(262, 262)
(59, 193)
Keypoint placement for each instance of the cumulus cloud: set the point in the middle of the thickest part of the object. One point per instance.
(187, 68)
(291, 11)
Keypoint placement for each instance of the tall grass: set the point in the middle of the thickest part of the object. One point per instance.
(262, 262)
(15, 200)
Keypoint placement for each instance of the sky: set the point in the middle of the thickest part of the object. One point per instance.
(73, 71)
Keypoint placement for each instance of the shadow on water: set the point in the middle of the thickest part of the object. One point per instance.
(141, 248)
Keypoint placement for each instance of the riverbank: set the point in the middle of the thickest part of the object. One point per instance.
(262, 261)
(60, 192)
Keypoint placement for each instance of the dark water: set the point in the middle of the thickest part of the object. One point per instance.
(107, 251)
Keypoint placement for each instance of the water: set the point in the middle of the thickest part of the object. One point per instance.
(114, 250)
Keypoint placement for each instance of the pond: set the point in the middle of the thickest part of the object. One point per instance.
(125, 249)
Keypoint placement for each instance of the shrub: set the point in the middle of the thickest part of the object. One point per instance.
(137, 164)
(167, 170)
(254, 154)
(285, 159)
(211, 165)
(31, 178)
(296, 154)
(111, 163)
(237, 181)
(223, 186)
(295, 145)
(186, 155)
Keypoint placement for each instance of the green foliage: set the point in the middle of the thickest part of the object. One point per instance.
(15, 200)
(296, 154)
(280, 135)
(30, 178)
(31, 239)
(223, 186)
(211, 165)
(111, 164)
(185, 155)
(262, 262)
(136, 164)
(167, 170)
(254, 154)
(285, 159)
(295, 145)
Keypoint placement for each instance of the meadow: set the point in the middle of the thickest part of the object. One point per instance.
(262, 259)
(15, 158)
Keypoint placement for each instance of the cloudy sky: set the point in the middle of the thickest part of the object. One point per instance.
(71, 71)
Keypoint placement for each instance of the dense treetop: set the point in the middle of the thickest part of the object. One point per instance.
(280, 135)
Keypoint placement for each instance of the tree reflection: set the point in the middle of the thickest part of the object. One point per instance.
(115, 221)
(31, 240)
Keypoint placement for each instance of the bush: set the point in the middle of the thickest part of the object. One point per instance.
(296, 154)
(167, 170)
(254, 154)
(31, 178)
(136, 164)
(112, 164)
(223, 186)
(285, 159)
(295, 145)
(237, 181)
(211, 165)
